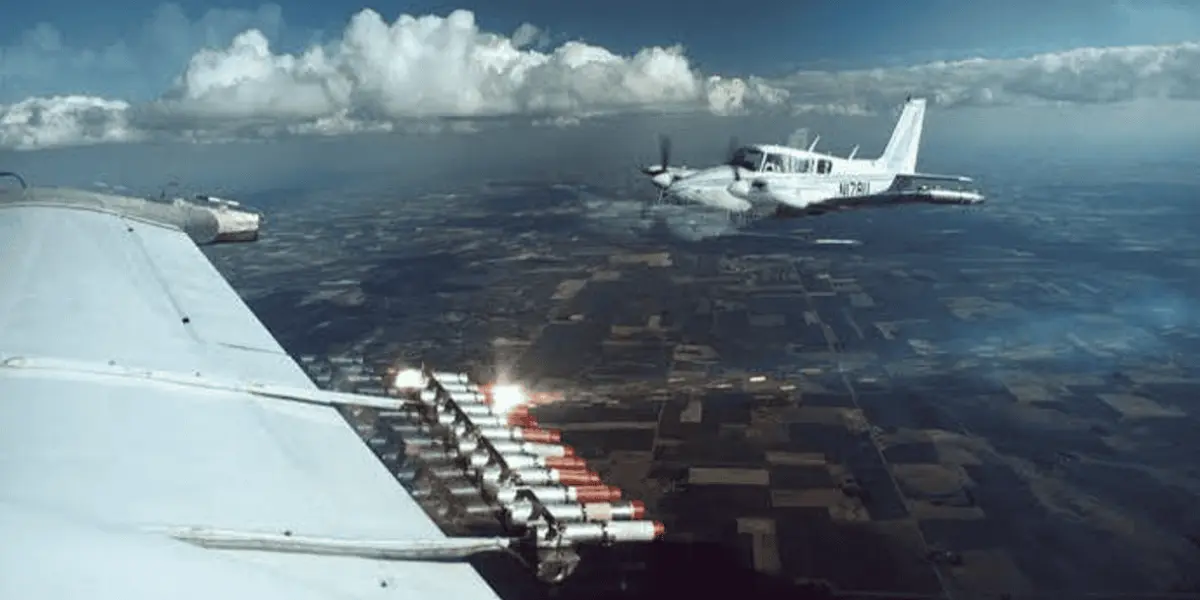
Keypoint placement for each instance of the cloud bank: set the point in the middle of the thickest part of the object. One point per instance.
(1083, 75)
(432, 72)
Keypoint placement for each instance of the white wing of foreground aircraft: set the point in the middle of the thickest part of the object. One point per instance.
(800, 182)
(158, 443)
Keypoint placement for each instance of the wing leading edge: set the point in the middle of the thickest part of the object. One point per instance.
(100, 459)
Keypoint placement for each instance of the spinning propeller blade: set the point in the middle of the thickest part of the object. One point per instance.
(664, 157)
(664, 162)
(730, 155)
(664, 151)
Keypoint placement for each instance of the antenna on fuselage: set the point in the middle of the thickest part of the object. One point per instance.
(813, 145)
(853, 152)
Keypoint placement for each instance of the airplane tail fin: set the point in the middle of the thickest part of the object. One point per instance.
(900, 155)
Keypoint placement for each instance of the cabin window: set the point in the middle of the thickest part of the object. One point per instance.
(775, 164)
(824, 167)
(800, 165)
(748, 158)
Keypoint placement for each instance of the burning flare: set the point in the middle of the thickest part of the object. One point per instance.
(507, 396)
(409, 379)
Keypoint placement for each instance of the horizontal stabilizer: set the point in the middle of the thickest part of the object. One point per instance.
(936, 189)
(936, 177)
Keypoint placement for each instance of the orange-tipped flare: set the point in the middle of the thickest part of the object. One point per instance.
(565, 462)
(659, 530)
(546, 397)
(544, 436)
(521, 420)
(639, 511)
(578, 478)
(594, 493)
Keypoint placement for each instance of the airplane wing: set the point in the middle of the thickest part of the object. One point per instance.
(157, 440)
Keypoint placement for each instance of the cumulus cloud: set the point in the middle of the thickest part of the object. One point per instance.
(530, 35)
(433, 67)
(419, 72)
(1084, 75)
(64, 120)
(735, 96)
(378, 74)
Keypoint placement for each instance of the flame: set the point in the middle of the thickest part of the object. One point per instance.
(507, 396)
(409, 379)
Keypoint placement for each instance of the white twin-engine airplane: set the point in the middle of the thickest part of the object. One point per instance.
(800, 182)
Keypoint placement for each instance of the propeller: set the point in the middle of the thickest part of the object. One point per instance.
(664, 157)
(664, 151)
(663, 166)
(730, 154)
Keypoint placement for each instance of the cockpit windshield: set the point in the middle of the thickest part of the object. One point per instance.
(748, 158)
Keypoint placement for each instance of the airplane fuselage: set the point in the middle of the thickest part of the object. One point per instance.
(717, 187)
(802, 181)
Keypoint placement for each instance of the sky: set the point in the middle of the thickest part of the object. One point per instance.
(72, 73)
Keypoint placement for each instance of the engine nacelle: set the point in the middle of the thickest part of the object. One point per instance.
(763, 192)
